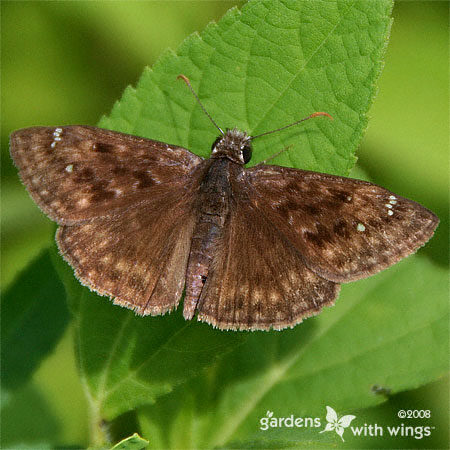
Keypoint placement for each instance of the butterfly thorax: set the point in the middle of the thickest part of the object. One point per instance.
(234, 145)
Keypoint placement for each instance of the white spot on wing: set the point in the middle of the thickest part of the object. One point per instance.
(69, 168)
(390, 213)
(360, 227)
(83, 202)
(56, 137)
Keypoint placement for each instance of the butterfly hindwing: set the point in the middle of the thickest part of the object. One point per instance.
(257, 280)
(138, 257)
(345, 229)
(76, 173)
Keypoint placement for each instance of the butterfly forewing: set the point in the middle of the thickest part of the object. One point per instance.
(76, 173)
(345, 229)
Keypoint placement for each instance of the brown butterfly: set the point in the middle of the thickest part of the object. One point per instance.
(256, 248)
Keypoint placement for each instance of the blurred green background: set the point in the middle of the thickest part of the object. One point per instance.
(67, 62)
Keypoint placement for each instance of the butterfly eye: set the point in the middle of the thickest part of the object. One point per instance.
(216, 142)
(247, 153)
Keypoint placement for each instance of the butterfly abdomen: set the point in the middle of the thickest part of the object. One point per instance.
(214, 198)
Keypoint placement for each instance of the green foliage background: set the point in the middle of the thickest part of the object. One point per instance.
(66, 63)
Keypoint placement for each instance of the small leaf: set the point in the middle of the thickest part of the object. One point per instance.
(134, 442)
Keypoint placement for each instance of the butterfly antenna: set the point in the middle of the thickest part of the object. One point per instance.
(186, 80)
(316, 114)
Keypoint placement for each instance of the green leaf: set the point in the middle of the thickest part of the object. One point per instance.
(34, 446)
(382, 332)
(126, 361)
(134, 442)
(265, 67)
(280, 439)
(34, 317)
(28, 405)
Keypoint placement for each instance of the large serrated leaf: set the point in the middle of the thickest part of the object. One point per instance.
(263, 68)
(272, 63)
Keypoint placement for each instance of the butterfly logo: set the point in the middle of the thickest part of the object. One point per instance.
(338, 424)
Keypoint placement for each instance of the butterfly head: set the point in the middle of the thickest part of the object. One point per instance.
(233, 144)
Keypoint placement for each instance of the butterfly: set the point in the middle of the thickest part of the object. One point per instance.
(254, 248)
